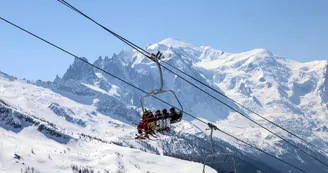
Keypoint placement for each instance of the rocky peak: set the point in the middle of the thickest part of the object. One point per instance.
(80, 71)
(57, 79)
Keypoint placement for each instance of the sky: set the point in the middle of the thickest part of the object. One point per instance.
(294, 29)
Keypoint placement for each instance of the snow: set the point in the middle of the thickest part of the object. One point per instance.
(170, 42)
(113, 90)
(290, 93)
(44, 154)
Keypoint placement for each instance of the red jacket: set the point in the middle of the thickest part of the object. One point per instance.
(150, 117)
(144, 118)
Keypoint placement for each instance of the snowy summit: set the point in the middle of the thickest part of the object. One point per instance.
(85, 120)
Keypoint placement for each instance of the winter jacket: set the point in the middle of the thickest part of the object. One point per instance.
(150, 117)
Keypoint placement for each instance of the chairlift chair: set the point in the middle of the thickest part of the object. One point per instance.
(156, 59)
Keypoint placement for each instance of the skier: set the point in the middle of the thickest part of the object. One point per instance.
(175, 117)
(143, 122)
(166, 120)
(149, 125)
(159, 120)
(173, 114)
(146, 124)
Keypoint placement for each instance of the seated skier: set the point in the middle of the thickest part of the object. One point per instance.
(175, 117)
(159, 120)
(147, 123)
(143, 122)
(166, 120)
(173, 114)
(148, 127)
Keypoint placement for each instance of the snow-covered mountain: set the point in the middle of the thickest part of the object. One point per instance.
(85, 119)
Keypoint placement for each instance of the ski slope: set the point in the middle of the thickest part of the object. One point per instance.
(45, 154)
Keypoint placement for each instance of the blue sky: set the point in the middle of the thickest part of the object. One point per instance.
(295, 29)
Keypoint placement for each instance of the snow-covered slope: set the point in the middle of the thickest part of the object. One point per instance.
(93, 114)
(47, 132)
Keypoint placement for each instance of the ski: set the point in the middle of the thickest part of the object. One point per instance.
(138, 136)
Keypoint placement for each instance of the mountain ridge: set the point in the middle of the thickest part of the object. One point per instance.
(289, 93)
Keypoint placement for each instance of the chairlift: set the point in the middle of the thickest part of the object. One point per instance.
(156, 59)
(218, 154)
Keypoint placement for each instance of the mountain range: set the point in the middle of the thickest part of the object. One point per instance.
(85, 120)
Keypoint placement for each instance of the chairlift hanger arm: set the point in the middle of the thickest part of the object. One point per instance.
(212, 128)
(156, 59)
